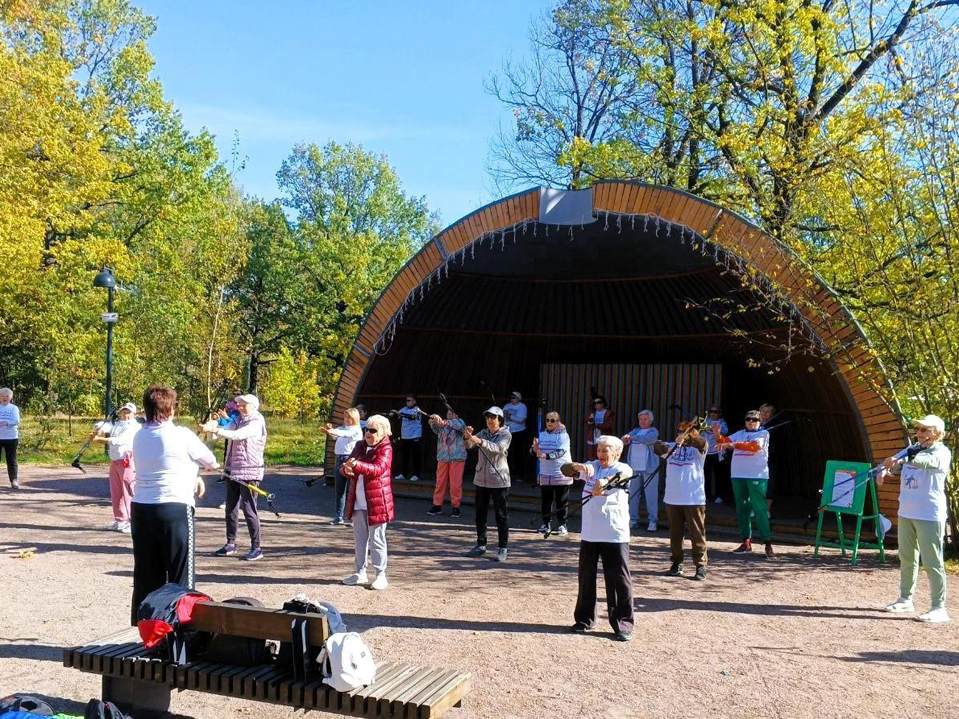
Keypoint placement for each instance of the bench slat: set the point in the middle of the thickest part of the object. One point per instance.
(361, 698)
(309, 693)
(249, 683)
(379, 690)
(445, 696)
(70, 654)
(415, 702)
(255, 622)
(420, 682)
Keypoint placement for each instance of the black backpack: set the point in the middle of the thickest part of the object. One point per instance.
(242, 651)
(284, 659)
(25, 703)
(97, 709)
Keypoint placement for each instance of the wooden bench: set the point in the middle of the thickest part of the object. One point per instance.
(140, 682)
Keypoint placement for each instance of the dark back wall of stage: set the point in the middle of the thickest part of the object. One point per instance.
(464, 364)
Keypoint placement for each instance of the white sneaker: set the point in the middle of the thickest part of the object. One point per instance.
(222, 506)
(543, 529)
(115, 527)
(901, 606)
(124, 528)
(380, 581)
(562, 531)
(652, 526)
(934, 616)
(399, 478)
(414, 478)
(719, 500)
(356, 579)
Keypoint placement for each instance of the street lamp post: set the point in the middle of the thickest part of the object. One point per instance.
(105, 279)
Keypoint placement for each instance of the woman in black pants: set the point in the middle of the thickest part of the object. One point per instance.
(9, 433)
(167, 459)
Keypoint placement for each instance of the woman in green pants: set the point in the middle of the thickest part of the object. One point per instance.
(922, 516)
(750, 472)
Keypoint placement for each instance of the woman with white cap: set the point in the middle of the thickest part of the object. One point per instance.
(118, 438)
(244, 461)
(922, 516)
(514, 417)
(491, 479)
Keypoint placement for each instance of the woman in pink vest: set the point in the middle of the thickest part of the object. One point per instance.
(244, 461)
(370, 500)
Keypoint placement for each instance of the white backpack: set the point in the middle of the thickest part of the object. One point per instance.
(346, 662)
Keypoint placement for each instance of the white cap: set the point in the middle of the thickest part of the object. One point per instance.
(494, 410)
(249, 400)
(516, 394)
(130, 406)
(931, 421)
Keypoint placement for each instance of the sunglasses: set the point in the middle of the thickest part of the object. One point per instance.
(551, 421)
(752, 419)
(371, 431)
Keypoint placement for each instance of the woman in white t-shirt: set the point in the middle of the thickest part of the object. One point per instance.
(685, 497)
(605, 534)
(167, 460)
(922, 516)
(9, 433)
(346, 436)
(749, 473)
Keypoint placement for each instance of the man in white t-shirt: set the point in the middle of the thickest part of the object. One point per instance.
(685, 497)
(514, 417)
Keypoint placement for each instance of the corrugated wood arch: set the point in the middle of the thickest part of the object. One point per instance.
(862, 375)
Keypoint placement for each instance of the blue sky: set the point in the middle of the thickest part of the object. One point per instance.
(403, 79)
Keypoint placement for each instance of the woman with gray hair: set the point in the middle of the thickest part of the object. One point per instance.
(9, 433)
(645, 466)
(244, 461)
(605, 534)
(923, 510)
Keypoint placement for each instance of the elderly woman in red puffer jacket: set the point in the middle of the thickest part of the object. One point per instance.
(370, 500)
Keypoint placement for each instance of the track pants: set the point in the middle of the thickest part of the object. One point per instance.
(750, 496)
(239, 498)
(452, 473)
(9, 448)
(693, 518)
(498, 496)
(558, 493)
(921, 538)
(163, 548)
(122, 482)
(410, 457)
(619, 584)
(370, 543)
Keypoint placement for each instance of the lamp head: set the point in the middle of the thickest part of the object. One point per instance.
(105, 279)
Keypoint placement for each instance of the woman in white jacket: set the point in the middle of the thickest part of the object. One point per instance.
(605, 534)
(551, 448)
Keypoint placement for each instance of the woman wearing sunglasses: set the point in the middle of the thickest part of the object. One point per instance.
(369, 503)
(552, 450)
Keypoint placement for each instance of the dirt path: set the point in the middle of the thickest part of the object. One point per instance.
(795, 637)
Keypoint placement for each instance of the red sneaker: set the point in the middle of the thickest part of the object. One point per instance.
(746, 546)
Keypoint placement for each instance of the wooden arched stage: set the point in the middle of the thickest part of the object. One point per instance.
(502, 300)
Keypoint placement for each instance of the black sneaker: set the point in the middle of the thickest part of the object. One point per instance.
(434, 510)
(478, 551)
(456, 512)
(227, 550)
(700, 574)
(624, 636)
(675, 570)
(579, 628)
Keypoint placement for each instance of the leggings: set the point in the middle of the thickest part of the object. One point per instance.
(9, 447)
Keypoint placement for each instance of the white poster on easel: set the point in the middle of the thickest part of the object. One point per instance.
(843, 493)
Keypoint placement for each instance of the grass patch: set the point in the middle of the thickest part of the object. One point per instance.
(49, 441)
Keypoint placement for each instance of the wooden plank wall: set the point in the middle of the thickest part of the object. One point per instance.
(629, 388)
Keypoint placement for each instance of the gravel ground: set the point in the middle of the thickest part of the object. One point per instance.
(793, 637)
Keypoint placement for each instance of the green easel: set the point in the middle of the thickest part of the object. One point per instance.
(839, 479)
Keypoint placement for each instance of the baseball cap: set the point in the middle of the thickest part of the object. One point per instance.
(931, 421)
(494, 410)
(130, 406)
